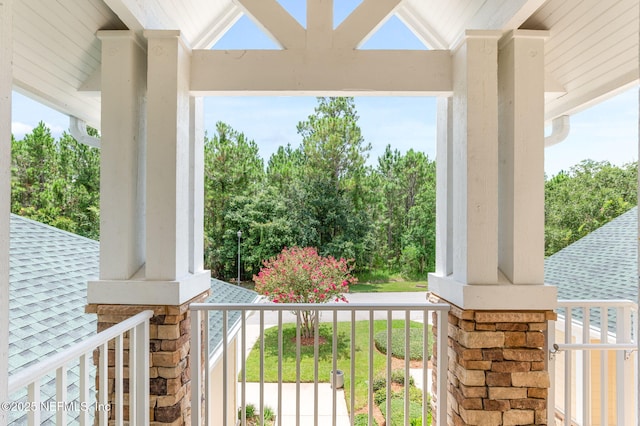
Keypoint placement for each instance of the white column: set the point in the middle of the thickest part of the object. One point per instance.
(475, 151)
(493, 199)
(168, 156)
(196, 185)
(6, 76)
(521, 141)
(444, 194)
(162, 191)
(175, 171)
(122, 232)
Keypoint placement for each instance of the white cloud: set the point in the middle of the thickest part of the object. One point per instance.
(20, 129)
(56, 130)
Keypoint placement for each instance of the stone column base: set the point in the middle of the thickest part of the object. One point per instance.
(169, 369)
(497, 373)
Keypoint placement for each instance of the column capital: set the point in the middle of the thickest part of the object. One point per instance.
(157, 35)
(477, 35)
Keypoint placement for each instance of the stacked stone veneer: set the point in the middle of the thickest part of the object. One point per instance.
(497, 372)
(169, 369)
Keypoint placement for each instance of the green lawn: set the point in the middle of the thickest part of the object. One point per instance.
(362, 346)
(392, 286)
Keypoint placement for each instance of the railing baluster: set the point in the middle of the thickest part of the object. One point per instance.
(84, 389)
(243, 362)
(425, 363)
(637, 357)
(316, 355)
(33, 396)
(195, 361)
(205, 364)
(585, 389)
(407, 358)
(443, 365)
(225, 368)
(133, 372)
(118, 400)
(388, 399)
(141, 367)
(334, 358)
(352, 378)
(103, 393)
(604, 367)
(261, 364)
(280, 368)
(370, 397)
(61, 394)
(298, 368)
(624, 376)
(567, 368)
(551, 366)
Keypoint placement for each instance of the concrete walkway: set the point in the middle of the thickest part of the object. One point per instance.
(307, 397)
(325, 393)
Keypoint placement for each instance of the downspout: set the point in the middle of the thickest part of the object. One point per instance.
(78, 130)
(559, 131)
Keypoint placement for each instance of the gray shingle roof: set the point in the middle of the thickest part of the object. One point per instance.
(49, 270)
(601, 265)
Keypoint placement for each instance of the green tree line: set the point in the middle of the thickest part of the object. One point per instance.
(322, 194)
(56, 182)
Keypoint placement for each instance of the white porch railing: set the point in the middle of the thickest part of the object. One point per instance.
(336, 312)
(35, 375)
(583, 340)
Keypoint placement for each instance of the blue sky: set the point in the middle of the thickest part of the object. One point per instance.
(607, 131)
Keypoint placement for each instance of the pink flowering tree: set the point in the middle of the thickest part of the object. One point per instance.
(301, 275)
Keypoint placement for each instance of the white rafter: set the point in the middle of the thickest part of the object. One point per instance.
(218, 27)
(135, 16)
(321, 71)
(363, 22)
(420, 27)
(275, 21)
(319, 23)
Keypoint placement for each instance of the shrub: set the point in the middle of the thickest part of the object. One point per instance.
(268, 413)
(416, 343)
(379, 383)
(397, 376)
(301, 275)
(380, 396)
(249, 409)
(363, 420)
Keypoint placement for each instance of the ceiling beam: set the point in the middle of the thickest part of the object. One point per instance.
(319, 23)
(520, 15)
(138, 16)
(275, 21)
(505, 16)
(321, 72)
(363, 22)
